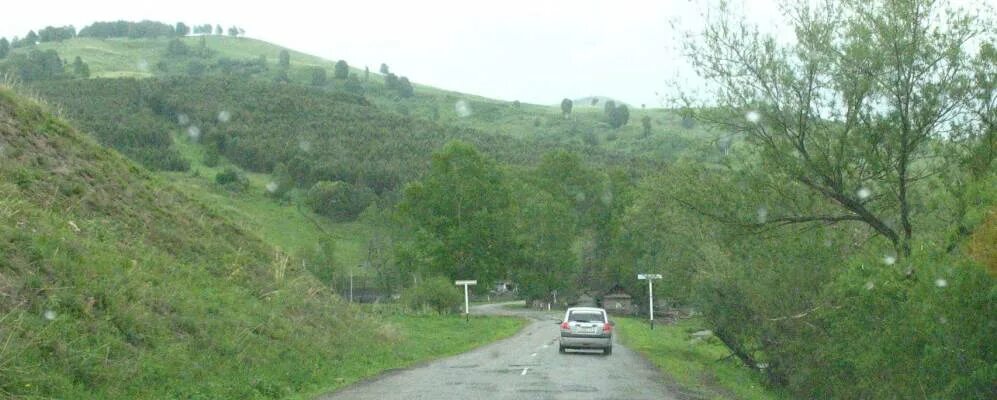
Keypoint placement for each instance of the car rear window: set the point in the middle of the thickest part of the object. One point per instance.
(585, 316)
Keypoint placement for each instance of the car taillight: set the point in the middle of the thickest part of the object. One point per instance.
(564, 326)
(607, 327)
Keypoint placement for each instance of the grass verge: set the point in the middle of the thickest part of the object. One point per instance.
(693, 365)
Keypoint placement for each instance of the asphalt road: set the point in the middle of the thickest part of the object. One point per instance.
(525, 366)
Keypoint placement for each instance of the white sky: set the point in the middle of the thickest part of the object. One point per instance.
(530, 50)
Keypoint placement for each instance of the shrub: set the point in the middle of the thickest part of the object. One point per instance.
(437, 293)
(231, 179)
(339, 200)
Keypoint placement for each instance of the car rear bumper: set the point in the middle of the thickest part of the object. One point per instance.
(586, 342)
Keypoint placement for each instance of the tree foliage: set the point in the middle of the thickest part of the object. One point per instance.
(342, 70)
(461, 210)
(566, 105)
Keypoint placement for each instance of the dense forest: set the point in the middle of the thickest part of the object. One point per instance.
(835, 225)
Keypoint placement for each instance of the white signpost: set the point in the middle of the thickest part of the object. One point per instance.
(650, 292)
(467, 304)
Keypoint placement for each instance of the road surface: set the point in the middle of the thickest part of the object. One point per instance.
(525, 366)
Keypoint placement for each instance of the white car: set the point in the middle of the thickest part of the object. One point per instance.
(586, 328)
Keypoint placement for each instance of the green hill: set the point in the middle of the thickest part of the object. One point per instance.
(587, 126)
(114, 284)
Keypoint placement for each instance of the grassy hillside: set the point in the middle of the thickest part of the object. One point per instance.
(114, 284)
(112, 58)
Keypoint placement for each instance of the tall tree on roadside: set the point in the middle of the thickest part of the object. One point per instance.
(850, 110)
(384, 69)
(4, 48)
(182, 29)
(461, 211)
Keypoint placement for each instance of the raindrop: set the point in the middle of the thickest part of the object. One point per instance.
(889, 260)
(224, 116)
(183, 119)
(941, 282)
(580, 197)
(49, 315)
(463, 109)
(305, 145)
(142, 65)
(942, 320)
(864, 193)
(272, 187)
(753, 116)
(763, 215)
(869, 285)
(194, 132)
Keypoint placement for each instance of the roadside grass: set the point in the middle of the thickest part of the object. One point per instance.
(701, 367)
(414, 339)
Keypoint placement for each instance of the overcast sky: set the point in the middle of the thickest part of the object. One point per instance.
(530, 50)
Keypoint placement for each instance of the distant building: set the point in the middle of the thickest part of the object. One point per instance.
(617, 301)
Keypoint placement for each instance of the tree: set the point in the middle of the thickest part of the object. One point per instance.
(234, 31)
(182, 29)
(618, 115)
(177, 48)
(461, 213)
(4, 48)
(851, 111)
(405, 88)
(218, 30)
(342, 70)
(81, 68)
(366, 73)
(284, 59)
(384, 69)
(339, 200)
(566, 105)
(645, 123)
(31, 39)
(318, 76)
(546, 231)
(391, 81)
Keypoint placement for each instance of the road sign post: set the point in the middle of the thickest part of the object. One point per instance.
(650, 293)
(467, 303)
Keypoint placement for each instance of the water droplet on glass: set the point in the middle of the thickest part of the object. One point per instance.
(49, 315)
(943, 320)
(864, 193)
(194, 132)
(869, 285)
(224, 116)
(183, 119)
(753, 116)
(272, 187)
(940, 282)
(889, 260)
(462, 108)
(142, 65)
(763, 215)
(305, 145)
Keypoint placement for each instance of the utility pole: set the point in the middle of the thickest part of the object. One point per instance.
(650, 293)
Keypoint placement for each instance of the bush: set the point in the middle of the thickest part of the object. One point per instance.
(437, 293)
(231, 179)
(339, 200)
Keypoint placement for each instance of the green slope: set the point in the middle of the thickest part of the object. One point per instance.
(111, 58)
(114, 284)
